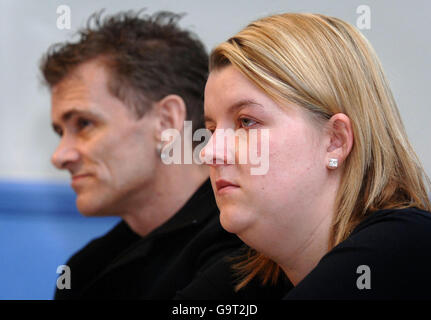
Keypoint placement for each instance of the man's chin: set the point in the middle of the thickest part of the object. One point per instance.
(91, 209)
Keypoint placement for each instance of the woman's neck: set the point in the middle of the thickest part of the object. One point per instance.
(307, 255)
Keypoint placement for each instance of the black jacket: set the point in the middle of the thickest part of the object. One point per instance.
(123, 265)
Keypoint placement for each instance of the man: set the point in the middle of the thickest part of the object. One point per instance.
(128, 78)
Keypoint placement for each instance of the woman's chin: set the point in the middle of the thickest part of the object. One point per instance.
(234, 220)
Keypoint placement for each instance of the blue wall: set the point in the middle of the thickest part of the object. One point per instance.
(40, 228)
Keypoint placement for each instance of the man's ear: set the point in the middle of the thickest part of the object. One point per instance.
(341, 138)
(170, 113)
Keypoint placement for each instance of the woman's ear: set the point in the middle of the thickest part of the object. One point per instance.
(170, 113)
(341, 138)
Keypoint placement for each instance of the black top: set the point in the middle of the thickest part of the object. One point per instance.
(219, 280)
(123, 265)
(387, 256)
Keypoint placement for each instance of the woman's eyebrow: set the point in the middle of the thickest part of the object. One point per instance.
(242, 104)
(235, 107)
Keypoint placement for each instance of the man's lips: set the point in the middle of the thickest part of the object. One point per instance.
(78, 177)
(225, 185)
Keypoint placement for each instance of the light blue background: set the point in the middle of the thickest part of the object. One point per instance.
(40, 229)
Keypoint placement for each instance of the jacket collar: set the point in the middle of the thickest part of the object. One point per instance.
(197, 209)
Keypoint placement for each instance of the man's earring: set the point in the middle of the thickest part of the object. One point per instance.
(333, 163)
(159, 148)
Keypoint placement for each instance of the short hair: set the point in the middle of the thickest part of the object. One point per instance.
(326, 66)
(148, 56)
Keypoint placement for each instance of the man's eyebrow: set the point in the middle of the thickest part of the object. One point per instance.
(76, 111)
(69, 114)
(240, 104)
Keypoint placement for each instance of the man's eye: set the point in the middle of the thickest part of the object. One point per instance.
(82, 123)
(246, 122)
(58, 131)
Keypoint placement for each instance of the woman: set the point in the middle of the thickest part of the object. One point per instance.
(343, 207)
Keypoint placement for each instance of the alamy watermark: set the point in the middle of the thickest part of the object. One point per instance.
(364, 19)
(64, 280)
(220, 147)
(364, 280)
(64, 17)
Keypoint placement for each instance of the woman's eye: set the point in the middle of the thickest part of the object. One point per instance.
(210, 130)
(246, 122)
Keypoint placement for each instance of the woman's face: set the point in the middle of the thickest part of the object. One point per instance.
(284, 199)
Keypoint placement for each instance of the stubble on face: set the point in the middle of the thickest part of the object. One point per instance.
(117, 149)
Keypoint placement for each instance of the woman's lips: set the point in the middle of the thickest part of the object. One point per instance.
(224, 186)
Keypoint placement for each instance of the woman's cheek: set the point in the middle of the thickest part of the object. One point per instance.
(258, 148)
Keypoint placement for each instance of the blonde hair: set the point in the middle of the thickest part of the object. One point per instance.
(326, 66)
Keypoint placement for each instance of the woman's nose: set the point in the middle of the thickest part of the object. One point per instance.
(220, 149)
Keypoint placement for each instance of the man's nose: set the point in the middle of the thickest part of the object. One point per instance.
(220, 149)
(65, 155)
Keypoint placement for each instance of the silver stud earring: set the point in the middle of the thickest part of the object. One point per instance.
(333, 163)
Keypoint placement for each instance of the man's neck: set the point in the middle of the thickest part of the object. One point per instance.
(171, 190)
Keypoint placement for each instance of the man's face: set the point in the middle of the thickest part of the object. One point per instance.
(109, 152)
